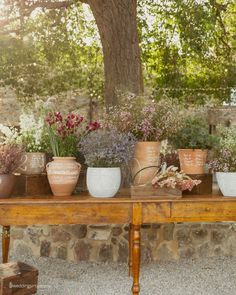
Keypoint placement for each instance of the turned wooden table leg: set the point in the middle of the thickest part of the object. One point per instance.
(130, 249)
(136, 258)
(5, 243)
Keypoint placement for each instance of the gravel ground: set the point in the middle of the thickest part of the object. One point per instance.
(215, 276)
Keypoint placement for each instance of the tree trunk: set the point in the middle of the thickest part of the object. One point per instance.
(117, 25)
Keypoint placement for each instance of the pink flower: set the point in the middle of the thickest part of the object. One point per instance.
(93, 126)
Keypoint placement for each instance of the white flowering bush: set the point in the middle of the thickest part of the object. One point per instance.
(31, 134)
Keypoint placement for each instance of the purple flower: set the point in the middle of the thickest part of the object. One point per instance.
(107, 148)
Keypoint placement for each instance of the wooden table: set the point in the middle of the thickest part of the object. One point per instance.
(118, 210)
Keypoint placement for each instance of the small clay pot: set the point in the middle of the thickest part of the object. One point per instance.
(192, 161)
(147, 154)
(7, 182)
(63, 174)
(32, 164)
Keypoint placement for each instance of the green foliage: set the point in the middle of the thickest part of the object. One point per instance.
(189, 48)
(56, 52)
(188, 51)
(194, 134)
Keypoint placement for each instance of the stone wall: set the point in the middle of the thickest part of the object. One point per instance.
(110, 243)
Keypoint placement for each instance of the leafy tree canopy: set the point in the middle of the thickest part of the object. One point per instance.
(188, 49)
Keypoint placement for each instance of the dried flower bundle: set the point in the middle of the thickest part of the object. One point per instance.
(145, 119)
(107, 148)
(65, 132)
(10, 157)
(224, 153)
(172, 178)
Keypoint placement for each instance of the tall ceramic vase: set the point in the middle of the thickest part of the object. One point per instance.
(147, 155)
(63, 174)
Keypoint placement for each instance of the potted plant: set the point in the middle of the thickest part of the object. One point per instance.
(193, 142)
(223, 161)
(64, 134)
(32, 135)
(150, 122)
(171, 181)
(10, 155)
(105, 151)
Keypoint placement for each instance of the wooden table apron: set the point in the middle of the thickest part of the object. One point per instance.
(118, 210)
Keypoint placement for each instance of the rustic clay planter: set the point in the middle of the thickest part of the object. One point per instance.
(146, 154)
(7, 182)
(192, 161)
(32, 164)
(63, 174)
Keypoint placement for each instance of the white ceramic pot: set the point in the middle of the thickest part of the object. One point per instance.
(227, 183)
(103, 182)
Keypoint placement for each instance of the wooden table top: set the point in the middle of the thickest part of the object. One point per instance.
(85, 198)
(84, 209)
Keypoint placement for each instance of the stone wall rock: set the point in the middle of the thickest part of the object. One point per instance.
(110, 243)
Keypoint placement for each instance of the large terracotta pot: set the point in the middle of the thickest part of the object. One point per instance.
(63, 174)
(146, 154)
(192, 161)
(7, 182)
(32, 164)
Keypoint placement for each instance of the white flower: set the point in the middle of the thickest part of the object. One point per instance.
(27, 122)
(9, 134)
(6, 131)
(39, 104)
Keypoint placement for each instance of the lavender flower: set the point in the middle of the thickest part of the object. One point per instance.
(107, 148)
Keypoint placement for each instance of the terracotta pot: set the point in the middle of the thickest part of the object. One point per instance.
(7, 182)
(63, 174)
(192, 161)
(32, 164)
(146, 154)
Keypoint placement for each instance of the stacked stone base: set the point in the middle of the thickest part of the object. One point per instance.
(110, 243)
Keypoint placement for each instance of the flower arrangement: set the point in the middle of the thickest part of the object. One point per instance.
(31, 133)
(194, 134)
(170, 177)
(145, 119)
(224, 153)
(107, 148)
(10, 157)
(65, 132)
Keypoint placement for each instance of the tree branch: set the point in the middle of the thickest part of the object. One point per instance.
(49, 5)
(28, 9)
